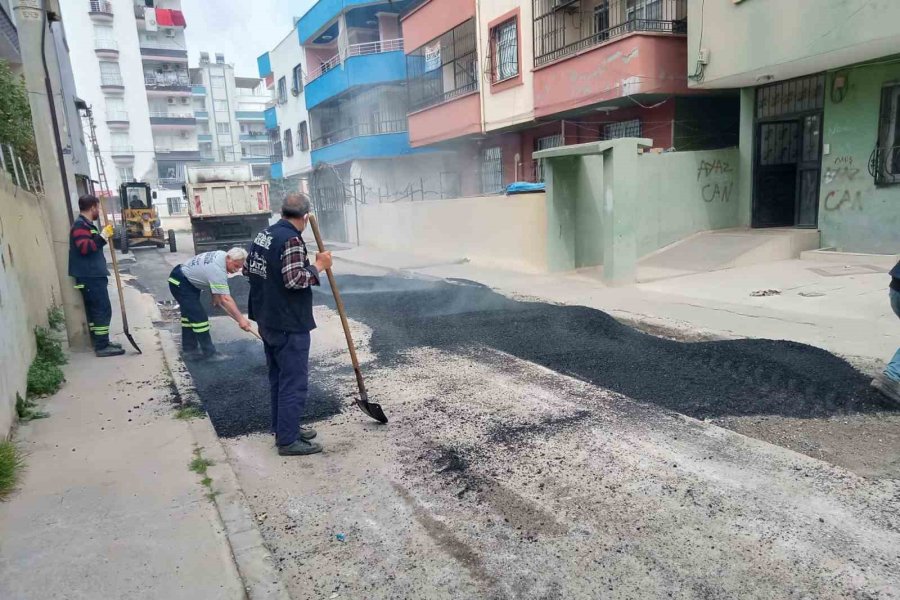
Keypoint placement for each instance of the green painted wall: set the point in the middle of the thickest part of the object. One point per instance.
(682, 193)
(854, 214)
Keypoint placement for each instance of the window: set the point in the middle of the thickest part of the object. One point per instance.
(491, 170)
(177, 206)
(545, 143)
(282, 90)
(125, 174)
(622, 129)
(217, 81)
(220, 105)
(887, 154)
(226, 153)
(505, 50)
(203, 128)
(643, 10)
(443, 69)
(223, 128)
(601, 20)
(288, 143)
(109, 73)
(303, 136)
(297, 80)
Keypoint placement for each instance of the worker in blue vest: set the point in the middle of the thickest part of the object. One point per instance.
(87, 264)
(281, 302)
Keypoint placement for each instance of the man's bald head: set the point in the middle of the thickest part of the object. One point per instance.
(296, 206)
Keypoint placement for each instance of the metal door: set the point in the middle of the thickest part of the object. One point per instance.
(809, 169)
(329, 196)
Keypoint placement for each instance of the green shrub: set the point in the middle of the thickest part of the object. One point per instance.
(49, 349)
(11, 464)
(27, 410)
(44, 378)
(56, 318)
(188, 412)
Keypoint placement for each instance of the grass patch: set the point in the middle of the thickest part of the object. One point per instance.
(44, 379)
(56, 318)
(27, 410)
(11, 464)
(49, 348)
(199, 465)
(188, 412)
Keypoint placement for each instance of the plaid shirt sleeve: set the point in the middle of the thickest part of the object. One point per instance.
(295, 268)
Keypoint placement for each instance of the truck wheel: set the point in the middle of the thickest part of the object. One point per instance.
(123, 240)
(172, 246)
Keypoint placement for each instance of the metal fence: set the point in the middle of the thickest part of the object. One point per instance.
(24, 173)
(565, 27)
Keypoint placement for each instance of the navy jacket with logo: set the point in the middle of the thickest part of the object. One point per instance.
(86, 257)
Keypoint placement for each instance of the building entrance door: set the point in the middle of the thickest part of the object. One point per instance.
(788, 153)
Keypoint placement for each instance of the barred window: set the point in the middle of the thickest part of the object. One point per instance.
(288, 143)
(505, 50)
(444, 68)
(622, 129)
(297, 80)
(303, 136)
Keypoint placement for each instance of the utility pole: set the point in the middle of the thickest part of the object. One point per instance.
(33, 18)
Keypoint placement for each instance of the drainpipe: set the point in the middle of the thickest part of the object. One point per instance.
(479, 49)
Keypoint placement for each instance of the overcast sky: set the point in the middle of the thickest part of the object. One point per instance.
(241, 29)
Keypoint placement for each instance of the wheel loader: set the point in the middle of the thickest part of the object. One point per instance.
(140, 225)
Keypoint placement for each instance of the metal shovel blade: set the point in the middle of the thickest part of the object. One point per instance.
(372, 409)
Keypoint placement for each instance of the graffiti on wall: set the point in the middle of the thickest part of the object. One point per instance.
(843, 180)
(716, 179)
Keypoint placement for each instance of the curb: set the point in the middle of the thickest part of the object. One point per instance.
(254, 562)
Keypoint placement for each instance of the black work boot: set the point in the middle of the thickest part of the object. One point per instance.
(300, 448)
(109, 351)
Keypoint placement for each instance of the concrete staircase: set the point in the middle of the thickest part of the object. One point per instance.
(726, 249)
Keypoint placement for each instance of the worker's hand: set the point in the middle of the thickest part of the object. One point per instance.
(107, 232)
(245, 324)
(323, 260)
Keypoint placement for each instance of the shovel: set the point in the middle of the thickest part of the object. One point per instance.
(370, 408)
(115, 268)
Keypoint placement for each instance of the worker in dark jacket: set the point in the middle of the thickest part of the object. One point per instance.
(87, 264)
(888, 382)
(281, 302)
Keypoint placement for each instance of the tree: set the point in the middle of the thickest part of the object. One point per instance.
(16, 128)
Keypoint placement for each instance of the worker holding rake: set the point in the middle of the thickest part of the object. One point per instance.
(209, 270)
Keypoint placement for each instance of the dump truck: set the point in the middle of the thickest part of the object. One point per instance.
(227, 205)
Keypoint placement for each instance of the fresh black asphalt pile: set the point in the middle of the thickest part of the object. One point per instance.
(701, 379)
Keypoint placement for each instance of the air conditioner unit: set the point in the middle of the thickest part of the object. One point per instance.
(184, 135)
(170, 33)
(566, 5)
(171, 100)
(185, 100)
(167, 67)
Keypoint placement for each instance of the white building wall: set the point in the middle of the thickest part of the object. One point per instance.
(284, 57)
(81, 34)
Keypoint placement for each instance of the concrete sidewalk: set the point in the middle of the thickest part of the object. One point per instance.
(841, 308)
(108, 507)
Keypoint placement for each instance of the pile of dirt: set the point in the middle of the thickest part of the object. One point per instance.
(701, 379)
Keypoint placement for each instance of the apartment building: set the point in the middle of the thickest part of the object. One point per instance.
(497, 81)
(229, 111)
(287, 120)
(820, 111)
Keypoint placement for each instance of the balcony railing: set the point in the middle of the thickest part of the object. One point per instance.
(359, 130)
(355, 50)
(167, 80)
(171, 115)
(122, 150)
(107, 45)
(111, 80)
(119, 116)
(555, 39)
(101, 7)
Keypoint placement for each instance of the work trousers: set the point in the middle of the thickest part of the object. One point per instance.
(287, 355)
(893, 368)
(97, 306)
(194, 320)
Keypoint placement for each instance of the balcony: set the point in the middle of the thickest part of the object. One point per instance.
(172, 82)
(363, 64)
(198, 90)
(189, 155)
(648, 32)
(201, 115)
(122, 152)
(117, 119)
(100, 10)
(204, 137)
(261, 136)
(106, 48)
(554, 40)
(366, 140)
(168, 55)
(111, 82)
(250, 115)
(172, 120)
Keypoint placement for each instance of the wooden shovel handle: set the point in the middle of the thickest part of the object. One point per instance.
(340, 308)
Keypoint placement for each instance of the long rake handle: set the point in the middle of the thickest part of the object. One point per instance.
(339, 303)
